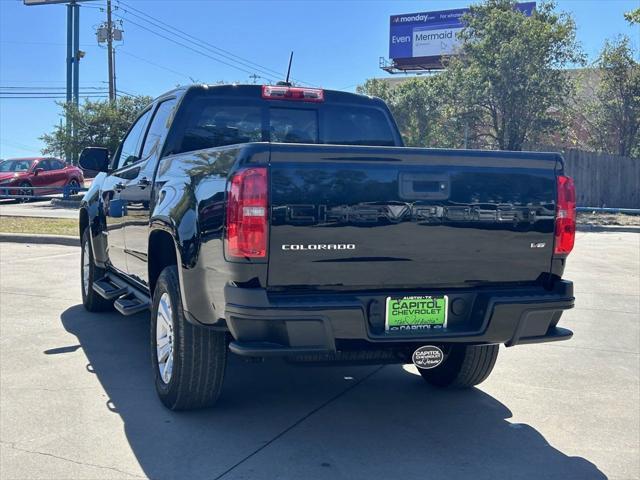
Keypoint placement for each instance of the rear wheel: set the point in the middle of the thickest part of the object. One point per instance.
(188, 360)
(465, 366)
(89, 272)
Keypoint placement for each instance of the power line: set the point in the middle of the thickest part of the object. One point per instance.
(268, 73)
(62, 97)
(19, 146)
(152, 63)
(46, 88)
(199, 42)
(186, 46)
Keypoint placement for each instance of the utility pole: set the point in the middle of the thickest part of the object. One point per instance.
(107, 33)
(115, 88)
(110, 54)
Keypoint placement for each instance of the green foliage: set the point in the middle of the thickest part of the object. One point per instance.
(509, 75)
(421, 110)
(98, 124)
(633, 16)
(505, 89)
(615, 112)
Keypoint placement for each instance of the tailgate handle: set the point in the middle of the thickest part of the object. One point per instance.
(424, 186)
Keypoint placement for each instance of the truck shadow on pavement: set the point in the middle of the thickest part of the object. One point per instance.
(276, 420)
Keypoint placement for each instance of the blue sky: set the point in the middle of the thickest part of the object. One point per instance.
(337, 45)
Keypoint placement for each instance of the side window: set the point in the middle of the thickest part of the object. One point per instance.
(130, 147)
(158, 128)
(44, 164)
(55, 164)
(215, 124)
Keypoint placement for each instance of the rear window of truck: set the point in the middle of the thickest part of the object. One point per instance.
(210, 122)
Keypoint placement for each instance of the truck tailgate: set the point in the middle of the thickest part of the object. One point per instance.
(380, 217)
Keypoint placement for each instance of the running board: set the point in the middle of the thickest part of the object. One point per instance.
(129, 300)
(130, 305)
(106, 289)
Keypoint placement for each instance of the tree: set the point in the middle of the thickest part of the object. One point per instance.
(615, 112)
(505, 89)
(508, 77)
(98, 124)
(633, 16)
(421, 108)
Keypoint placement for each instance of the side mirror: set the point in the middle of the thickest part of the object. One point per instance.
(37, 171)
(95, 158)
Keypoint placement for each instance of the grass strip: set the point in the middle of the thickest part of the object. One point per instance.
(45, 226)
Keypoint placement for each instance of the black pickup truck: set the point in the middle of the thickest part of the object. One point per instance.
(286, 221)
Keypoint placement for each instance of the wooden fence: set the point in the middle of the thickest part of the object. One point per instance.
(604, 180)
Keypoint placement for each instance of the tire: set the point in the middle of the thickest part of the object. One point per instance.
(25, 189)
(73, 186)
(197, 356)
(465, 366)
(90, 299)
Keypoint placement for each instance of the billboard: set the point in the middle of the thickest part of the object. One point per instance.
(419, 40)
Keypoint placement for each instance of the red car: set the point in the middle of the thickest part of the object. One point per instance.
(49, 174)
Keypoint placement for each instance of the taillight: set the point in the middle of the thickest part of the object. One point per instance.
(278, 92)
(565, 216)
(247, 226)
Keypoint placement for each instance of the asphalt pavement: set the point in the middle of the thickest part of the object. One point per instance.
(77, 399)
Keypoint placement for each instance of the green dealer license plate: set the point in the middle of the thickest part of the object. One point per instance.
(416, 313)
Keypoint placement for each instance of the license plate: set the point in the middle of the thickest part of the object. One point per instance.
(416, 313)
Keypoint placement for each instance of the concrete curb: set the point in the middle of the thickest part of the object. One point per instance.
(39, 238)
(609, 228)
(62, 203)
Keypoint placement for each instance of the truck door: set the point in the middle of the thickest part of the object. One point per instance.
(113, 195)
(138, 192)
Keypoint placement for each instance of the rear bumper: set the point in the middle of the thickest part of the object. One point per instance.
(324, 323)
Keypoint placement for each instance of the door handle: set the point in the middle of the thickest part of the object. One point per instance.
(144, 182)
(118, 187)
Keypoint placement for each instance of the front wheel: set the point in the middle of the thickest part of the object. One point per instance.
(25, 192)
(73, 187)
(188, 360)
(465, 366)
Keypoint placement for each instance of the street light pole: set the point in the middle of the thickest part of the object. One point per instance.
(69, 74)
(76, 72)
(76, 53)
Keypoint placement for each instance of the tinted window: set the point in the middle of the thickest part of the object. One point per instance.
(288, 125)
(55, 164)
(130, 148)
(206, 122)
(44, 164)
(356, 126)
(213, 124)
(158, 128)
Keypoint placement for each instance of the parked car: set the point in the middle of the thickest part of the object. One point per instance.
(283, 221)
(38, 176)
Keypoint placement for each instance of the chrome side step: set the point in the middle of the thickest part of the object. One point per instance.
(106, 289)
(129, 300)
(130, 305)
